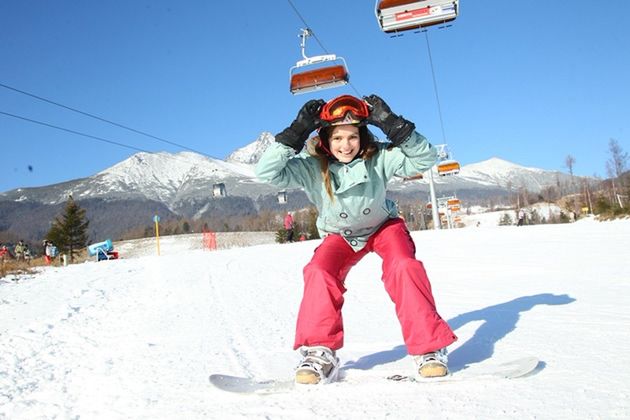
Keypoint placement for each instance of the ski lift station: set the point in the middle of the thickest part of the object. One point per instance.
(403, 15)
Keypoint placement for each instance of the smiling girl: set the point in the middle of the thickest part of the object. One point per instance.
(344, 173)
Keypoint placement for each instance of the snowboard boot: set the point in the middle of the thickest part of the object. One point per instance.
(433, 364)
(319, 365)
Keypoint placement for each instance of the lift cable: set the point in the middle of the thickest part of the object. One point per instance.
(75, 132)
(101, 119)
(435, 88)
(90, 136)
(314, 35)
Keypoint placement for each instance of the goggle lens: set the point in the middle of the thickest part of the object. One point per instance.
(337, 108)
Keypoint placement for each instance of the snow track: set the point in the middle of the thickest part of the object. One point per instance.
(138, 338)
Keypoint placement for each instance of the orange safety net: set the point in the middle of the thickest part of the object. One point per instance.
(209, 240)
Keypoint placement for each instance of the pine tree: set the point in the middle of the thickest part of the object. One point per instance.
(69, 232)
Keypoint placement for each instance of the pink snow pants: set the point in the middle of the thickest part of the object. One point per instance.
(319, 319)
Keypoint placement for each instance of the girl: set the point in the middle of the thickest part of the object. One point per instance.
(344, 173)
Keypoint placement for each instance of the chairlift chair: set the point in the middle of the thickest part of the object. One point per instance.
(448, 167)
(453, 202)
(404, 15)
(413, 177)
(218, 190)
(318, 72)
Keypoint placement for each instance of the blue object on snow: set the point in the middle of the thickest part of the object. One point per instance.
(104, 246)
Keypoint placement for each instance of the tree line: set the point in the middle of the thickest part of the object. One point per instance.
(607, 199)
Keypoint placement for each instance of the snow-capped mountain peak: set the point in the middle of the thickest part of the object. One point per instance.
(250, 154)
(498, 166)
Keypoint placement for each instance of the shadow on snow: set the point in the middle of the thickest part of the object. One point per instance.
(498, 321)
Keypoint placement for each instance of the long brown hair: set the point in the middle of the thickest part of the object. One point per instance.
(322, 152)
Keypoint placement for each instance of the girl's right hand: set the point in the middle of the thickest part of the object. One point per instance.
(304, 124)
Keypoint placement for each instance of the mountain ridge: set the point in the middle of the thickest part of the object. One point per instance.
(184, 185)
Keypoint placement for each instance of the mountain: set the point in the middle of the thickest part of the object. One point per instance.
(251, 153)
(185, 185)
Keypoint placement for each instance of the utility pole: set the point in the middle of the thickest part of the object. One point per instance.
(437, 223)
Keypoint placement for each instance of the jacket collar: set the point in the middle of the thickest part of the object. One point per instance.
(349, 174)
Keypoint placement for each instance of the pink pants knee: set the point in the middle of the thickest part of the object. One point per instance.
(320, 320)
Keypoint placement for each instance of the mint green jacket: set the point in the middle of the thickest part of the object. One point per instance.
(359, 207)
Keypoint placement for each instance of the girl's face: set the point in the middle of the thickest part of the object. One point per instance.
(345, 142)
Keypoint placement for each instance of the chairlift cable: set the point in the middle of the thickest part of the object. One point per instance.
(90, 136)
(74, 132)
(314, 35)
(102, 119)
(435, 88)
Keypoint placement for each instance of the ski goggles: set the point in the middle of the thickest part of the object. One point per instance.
(345, 109)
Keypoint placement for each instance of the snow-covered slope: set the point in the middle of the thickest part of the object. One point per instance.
(137, 338)
(499, 172)
(164, 176)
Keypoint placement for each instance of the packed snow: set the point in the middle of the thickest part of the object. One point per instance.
(137, 338)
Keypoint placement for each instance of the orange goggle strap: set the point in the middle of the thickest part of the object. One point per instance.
(338, 109)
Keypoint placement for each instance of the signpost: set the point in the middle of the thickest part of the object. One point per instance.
(156, 219)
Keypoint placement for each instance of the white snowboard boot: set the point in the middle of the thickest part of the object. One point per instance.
(433, 364)
(319, 365)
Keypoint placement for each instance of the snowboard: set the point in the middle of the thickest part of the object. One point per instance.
(510, 370)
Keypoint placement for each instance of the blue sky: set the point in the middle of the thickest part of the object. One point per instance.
(524, 81)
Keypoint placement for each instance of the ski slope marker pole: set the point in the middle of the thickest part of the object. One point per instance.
(156, 219)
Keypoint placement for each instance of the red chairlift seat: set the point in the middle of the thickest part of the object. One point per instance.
(321, 78)
(413, 177)
(318, 72)
(448, 167)
(453, 202)
(403, 15)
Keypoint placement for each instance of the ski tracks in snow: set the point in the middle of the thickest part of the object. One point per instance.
(258, 337)
(112, 343)
(33, 382)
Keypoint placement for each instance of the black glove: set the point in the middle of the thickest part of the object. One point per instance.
(396, 128)
(304, 124)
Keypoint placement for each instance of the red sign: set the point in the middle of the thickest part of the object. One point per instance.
(412, 14)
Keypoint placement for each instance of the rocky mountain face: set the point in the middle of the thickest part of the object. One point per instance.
(191, 186)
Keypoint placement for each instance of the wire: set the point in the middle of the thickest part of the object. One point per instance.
(314, 35)
(101, 139)
(437, 96)
(101, 119)
(74, 132)
(299, 15)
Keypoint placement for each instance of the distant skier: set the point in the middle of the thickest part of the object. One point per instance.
(50, 252)
(4, 253)
(521, 218)
(344, 172)
(18, 250)
(288, 226)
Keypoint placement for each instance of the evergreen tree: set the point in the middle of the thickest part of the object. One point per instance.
(312, 231)
(186, 227)
(69, 232)
(506, 220)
